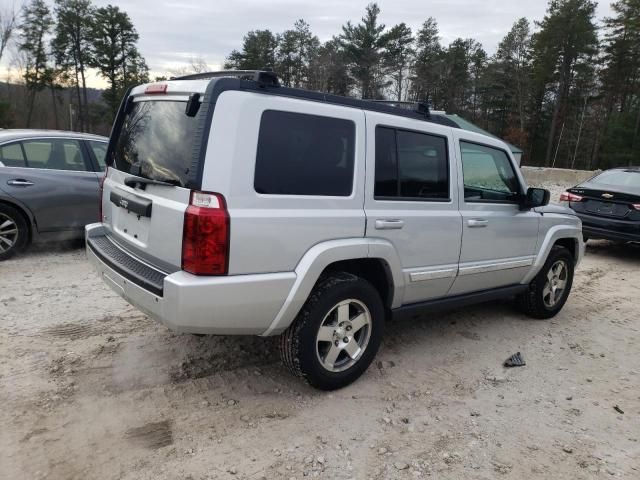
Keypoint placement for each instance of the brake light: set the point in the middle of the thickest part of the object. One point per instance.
(570, 197)
(205, 235)
(156, 88)
(100, 192)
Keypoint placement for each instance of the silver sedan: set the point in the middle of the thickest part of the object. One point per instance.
(49, 183)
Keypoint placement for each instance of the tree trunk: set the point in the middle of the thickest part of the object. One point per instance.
(55, 106)
(32, 99)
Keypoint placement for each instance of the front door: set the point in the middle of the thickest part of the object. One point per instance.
(498, 238)
(413, 203)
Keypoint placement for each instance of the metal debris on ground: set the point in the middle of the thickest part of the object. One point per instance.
(515, 360)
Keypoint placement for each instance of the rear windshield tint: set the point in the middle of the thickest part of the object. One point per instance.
(156, 142)
(619, 178)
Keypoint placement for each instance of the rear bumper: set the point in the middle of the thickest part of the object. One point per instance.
(610, 229)
(230, 305)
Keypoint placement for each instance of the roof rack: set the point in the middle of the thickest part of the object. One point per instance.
(265, 77)
(419, 106)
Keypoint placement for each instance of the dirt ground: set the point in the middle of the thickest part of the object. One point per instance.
(90, 388)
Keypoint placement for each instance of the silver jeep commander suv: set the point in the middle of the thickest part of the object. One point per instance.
(232, 205)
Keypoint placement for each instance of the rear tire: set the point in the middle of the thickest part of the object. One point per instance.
(14, 232)
(549, 290)
(337, 333)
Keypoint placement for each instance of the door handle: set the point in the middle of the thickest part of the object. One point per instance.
(477, 222)
(389, 224)
(20, 182)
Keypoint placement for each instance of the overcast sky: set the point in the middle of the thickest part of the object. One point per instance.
(171, 32)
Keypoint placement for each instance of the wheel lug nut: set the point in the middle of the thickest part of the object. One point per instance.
(336, 343)
(349, 328)
(345, 339)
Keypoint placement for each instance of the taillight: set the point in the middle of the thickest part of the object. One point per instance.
(570, 197)
(205, 236)
(636, 206)
(100, 191)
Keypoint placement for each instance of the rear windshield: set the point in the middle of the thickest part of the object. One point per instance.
(156, 141)
(619, 178)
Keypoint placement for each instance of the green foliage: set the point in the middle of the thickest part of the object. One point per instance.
(258, 52)
(364, 46)
(115, 54)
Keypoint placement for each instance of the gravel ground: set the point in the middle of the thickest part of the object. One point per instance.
(91, 388)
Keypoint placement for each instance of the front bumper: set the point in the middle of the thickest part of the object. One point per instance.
(610, 229)
(225, 305)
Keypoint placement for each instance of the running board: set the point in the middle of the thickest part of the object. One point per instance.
(458, 301)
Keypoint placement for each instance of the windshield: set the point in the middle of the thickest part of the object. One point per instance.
(156, 141)
(619, 178)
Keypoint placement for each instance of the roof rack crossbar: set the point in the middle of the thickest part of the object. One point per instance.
(266, 77)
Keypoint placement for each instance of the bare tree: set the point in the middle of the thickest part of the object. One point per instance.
(8, 19)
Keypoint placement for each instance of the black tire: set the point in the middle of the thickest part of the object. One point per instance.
(298, 346)
(532, 302)
(13, 220)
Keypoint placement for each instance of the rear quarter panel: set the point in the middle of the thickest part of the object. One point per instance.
(271, 233)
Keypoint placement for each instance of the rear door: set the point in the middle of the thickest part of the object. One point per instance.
(54, 178)
(498, 238)
(413, 203)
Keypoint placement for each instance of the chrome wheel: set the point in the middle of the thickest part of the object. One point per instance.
(8, 233)
(556, 283)
(343, 335)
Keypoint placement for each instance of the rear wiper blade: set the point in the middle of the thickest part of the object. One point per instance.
(134, 182)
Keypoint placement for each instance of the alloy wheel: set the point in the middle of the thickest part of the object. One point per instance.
(343, 335)
(8, 233)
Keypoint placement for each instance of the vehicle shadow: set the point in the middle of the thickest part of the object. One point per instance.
(616, 250)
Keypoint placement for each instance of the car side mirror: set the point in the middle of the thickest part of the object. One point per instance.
(536, 197)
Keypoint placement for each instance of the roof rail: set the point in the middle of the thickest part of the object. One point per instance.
(419, 106)
(265, 77)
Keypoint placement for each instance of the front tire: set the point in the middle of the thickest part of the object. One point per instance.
(14, 232)
(549, 290)
(337, 333)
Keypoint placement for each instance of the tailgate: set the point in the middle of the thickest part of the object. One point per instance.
(146, 222)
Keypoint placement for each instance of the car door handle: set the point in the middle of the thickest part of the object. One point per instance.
(477, 222)
(20, 182)
(389, 224)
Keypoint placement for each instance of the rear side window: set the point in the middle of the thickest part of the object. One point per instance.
(11, 155)
(156, 141)
(301, 154)
(410, 166)
(55, 154)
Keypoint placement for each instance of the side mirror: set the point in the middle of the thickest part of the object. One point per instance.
(536, 197)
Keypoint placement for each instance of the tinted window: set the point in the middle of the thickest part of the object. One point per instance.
(54, 154)
(411, 165)
(11, 155)
(100, 151)
(488, 174)
(156, 138)
(304, 155)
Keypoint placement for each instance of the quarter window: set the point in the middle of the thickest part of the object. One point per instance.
(488, 174)
(11, 155)
(301, 154)
(410, 165)
(55, 154)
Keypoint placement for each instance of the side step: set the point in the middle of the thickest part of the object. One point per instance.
(458, 301)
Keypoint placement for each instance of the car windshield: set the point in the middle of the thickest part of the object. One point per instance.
(156, 141)
(619, 178)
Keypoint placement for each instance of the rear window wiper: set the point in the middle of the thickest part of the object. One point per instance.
(135, 182)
